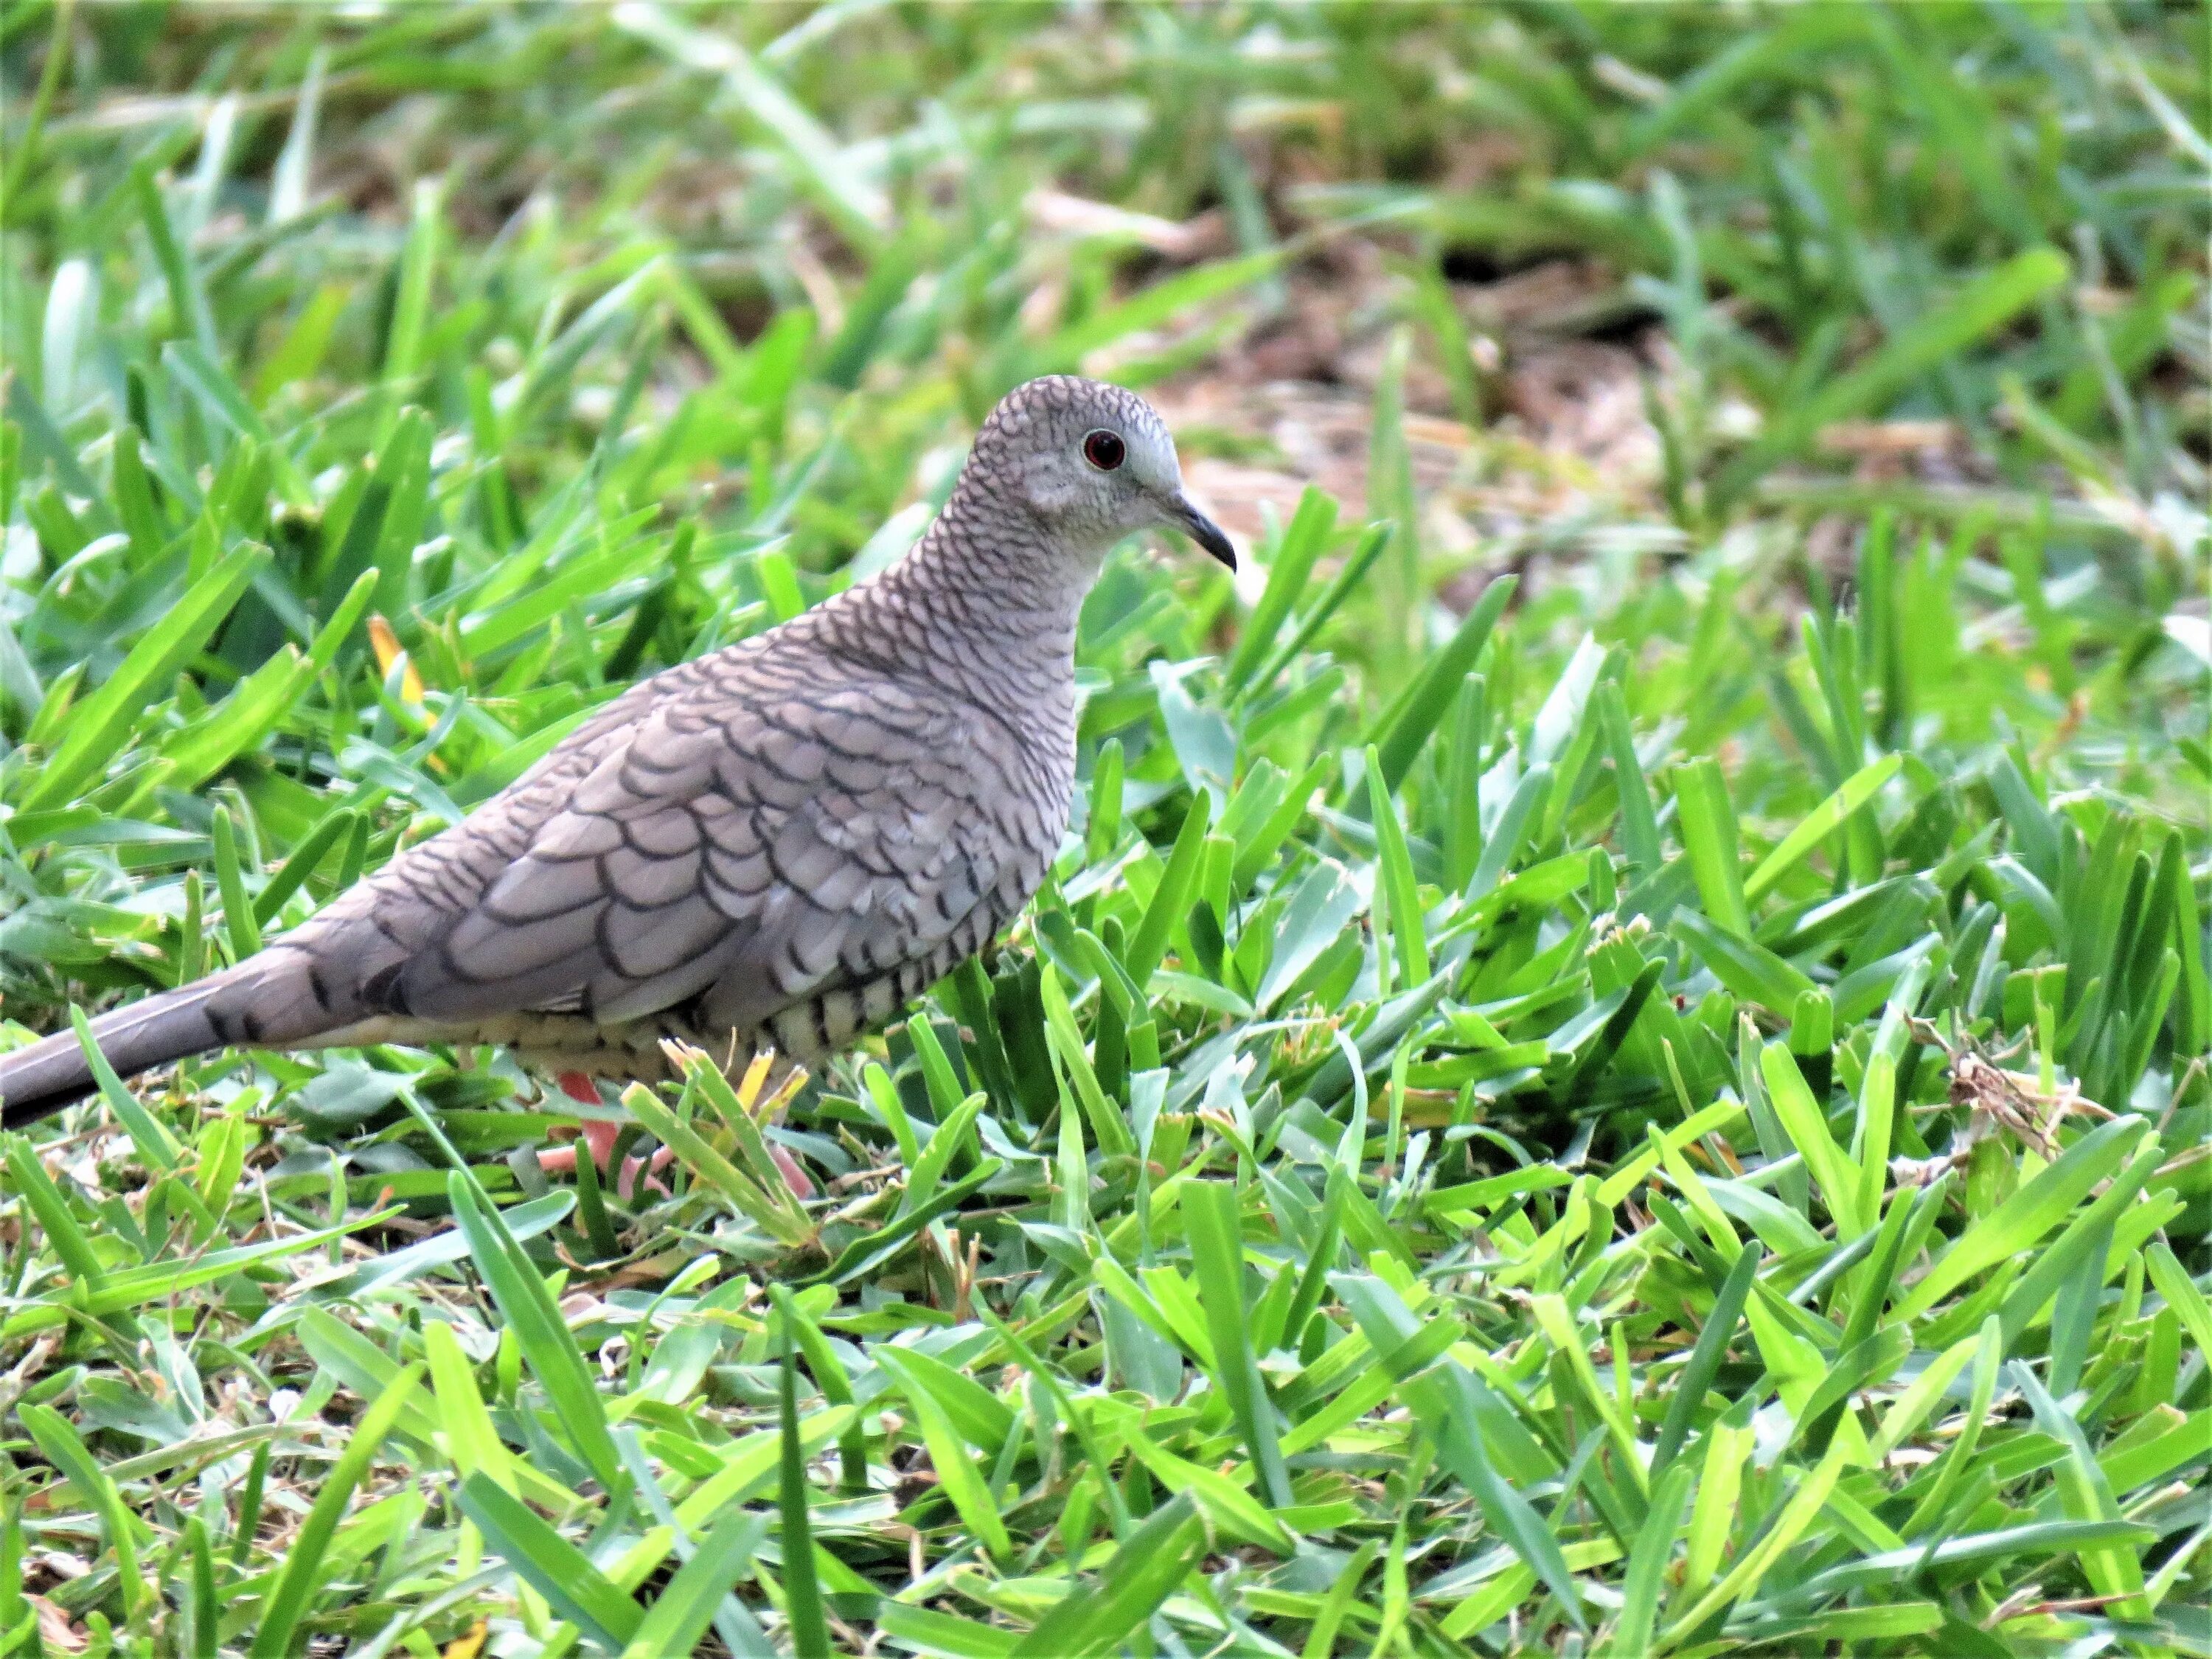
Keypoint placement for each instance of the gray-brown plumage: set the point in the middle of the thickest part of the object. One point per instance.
(777, 844)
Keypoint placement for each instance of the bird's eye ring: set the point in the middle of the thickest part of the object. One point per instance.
(1103, 450)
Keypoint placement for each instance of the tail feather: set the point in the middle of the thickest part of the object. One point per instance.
(229, 1007)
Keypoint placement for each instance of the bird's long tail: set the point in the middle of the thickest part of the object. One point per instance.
(233, 1006)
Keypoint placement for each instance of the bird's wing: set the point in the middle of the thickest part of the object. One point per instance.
(764, 839)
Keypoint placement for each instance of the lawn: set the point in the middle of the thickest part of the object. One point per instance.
(1615, 1061)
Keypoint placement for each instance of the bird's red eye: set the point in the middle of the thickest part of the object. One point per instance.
(1103, 449)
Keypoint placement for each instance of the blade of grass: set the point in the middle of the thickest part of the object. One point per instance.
(551, 1566)
(1709, 836)
(301, 1577)
(1303, 539)
(1405, 725)
(1341, 587)
(547, 1344)
(1805, 1125)
(1171, 900)
(1705, 1363)
(97, 729)
(1407, 934)
(1217, 1243)
(1142, 1573)
(57, 1440)
(802, 1591)
(1820, 823)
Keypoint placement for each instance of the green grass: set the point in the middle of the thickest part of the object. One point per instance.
(1661, 1110)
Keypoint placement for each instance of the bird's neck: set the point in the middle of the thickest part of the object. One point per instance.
(988, 569)
(981, 608)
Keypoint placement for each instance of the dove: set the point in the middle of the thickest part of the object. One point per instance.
(774, 845)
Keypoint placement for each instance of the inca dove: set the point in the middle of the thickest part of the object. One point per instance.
(777, 844)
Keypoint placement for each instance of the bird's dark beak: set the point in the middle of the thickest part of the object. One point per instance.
(1201, 530)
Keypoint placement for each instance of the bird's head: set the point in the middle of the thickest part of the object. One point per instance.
(1093, 463)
